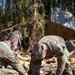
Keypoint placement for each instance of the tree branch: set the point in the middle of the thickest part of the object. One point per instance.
(9, 28)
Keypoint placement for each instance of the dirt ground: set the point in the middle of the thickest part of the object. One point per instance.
(48, 66)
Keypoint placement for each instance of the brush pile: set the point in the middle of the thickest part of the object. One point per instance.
(48, 66)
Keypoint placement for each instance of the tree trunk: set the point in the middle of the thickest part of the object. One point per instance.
(17, 9)
(6, 22)
(36, 33)
(47, 8)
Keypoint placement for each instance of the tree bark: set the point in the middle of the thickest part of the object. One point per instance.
(6, 22)
(37, 32)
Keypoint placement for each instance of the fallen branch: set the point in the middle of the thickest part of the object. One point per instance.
(22, 58)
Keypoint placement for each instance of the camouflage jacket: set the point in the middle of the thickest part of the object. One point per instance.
(9, 57)
(50, 46)
(56, 46)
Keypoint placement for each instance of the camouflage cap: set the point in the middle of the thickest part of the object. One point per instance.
(18, 35)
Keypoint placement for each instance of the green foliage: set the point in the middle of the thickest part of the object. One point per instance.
(41, 10)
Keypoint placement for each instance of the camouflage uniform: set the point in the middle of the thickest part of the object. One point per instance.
(8, 56)
(47, 47)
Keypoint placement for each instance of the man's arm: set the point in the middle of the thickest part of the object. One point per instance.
(12, 60)
(34, 67)
(61, 64)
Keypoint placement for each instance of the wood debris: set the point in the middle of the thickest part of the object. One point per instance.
(48, 66)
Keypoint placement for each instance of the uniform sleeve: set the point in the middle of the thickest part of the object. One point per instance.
(34, 67)
(14, 62)
(17, 66)
(62, 59)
